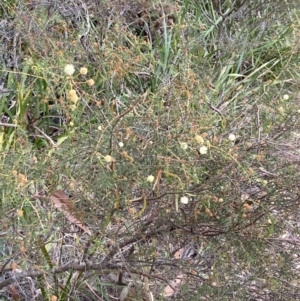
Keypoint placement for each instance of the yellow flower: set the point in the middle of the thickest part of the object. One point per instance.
(72, 92)
(150, 178)
(90, 82)
(199, 139)
(281, 110)
(109, 159)
(69, 69)
(83, 71)
(20, 213)
(72, 96)
(74, 99)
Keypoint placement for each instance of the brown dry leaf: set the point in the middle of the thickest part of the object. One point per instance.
(178, 254)
(14, 266)
(111, 242)
(64, 199)
(23, 250)
(204, 135)
(132, 211)
(175, 285)
(20, 213)
(63, 203)
(247, 207)
(14, 293)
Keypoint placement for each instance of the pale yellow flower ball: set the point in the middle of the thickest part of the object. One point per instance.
(199, 139)
(90, 82)
(150, 178)
(71, 93)
(281, 110)
(184, 200)
(231, 137)
(69, 69)
(72, 96)
(183, 145)
(203, 150)
(74, 99)
(83, 71)
(108, 159)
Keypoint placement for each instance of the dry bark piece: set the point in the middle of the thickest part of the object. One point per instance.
(64, 204)
(174, 286)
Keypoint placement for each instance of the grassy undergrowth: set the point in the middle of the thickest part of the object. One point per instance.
(149, 150)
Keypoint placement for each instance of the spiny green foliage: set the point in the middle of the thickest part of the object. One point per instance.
(141, 143)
